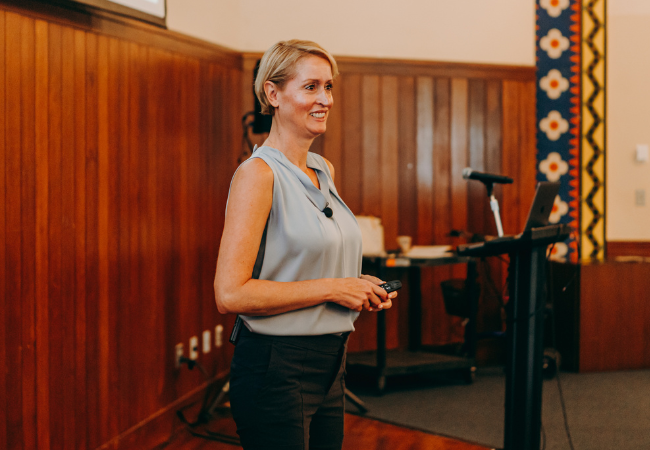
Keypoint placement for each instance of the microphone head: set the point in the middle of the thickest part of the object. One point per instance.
(328, 212)
(467, 172)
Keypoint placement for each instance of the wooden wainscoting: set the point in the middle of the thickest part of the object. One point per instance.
(601, 314)
(617, 249)
(117, 145)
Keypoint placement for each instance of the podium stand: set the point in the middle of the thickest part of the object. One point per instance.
(524, 329)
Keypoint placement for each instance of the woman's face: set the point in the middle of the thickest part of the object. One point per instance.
(304, 103)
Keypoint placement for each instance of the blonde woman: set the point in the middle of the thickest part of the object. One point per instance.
(287, 385)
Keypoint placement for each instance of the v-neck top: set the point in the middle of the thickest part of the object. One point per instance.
(302, 243)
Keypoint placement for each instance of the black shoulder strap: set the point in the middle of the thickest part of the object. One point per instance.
(257, 269)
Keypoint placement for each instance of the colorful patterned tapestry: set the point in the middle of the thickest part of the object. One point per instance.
(570, 117)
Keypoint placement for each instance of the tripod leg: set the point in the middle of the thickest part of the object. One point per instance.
(356, 401)
(219, 400)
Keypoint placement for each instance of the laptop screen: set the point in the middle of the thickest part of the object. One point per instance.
(542, 205)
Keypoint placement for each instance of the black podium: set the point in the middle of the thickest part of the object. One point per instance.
(524, 329)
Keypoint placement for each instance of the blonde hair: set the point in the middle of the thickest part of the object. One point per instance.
(278, 66)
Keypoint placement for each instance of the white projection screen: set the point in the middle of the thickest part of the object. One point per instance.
(152, 11)
(153, 7)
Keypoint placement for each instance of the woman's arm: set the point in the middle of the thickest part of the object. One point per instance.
(249, 204)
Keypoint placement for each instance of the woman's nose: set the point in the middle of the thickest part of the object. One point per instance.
(325, 97)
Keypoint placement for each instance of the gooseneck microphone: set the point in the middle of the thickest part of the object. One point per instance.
(489, 179)
(470, 174)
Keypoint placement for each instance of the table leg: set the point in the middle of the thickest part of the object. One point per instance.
(381, 340)
(415, 308)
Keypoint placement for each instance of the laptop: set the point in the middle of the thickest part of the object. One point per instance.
(540, 211)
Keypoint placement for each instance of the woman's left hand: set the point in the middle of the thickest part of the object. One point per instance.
(389, 297)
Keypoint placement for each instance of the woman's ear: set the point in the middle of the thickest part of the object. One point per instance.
(271, 91)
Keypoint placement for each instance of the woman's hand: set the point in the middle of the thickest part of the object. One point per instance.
(362, 293)
(385, 304)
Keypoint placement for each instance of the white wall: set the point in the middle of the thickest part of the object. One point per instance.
(497, 32)
(628, 115)
(216, 21)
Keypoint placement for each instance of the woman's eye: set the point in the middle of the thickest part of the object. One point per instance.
(310, 87)
(329, 87)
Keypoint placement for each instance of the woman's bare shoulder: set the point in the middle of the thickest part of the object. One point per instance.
(254, 171)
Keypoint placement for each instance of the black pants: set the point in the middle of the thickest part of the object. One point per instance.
(287, 392)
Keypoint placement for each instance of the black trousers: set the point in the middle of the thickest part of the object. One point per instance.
(287, 392)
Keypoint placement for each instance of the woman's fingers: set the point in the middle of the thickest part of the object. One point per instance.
(364, 293)
(372, 279)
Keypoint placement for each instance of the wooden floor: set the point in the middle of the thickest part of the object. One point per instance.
(360, 433)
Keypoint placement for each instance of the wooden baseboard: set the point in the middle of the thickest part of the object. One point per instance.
(628, 248)
(161, 426)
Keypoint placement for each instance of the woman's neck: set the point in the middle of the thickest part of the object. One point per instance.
(295, 148)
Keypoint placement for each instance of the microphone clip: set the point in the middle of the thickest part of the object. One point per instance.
(328, 211)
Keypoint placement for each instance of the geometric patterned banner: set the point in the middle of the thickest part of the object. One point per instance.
(592, 180)
(570, 145)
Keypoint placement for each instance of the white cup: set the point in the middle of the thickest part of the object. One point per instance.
(404, 243)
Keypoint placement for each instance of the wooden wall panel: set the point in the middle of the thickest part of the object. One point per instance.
(638, 249)
(13, 274)
(68, 124)
(351, 163)
(3, 238)
(602, 325)
(424, 159)
(407, 160)
(47, 252)
(116, 155)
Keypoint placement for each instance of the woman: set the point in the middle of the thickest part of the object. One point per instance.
(286, 385)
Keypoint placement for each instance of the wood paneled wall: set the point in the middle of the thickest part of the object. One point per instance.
(624, 249)
(399, 136)
(117, 145)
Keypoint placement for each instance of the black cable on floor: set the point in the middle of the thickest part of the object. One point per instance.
(554, 337)
(566, 420)
(204, 416)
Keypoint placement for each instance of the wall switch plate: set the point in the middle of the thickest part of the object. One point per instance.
(642, 153)
(218, 336)
(639, 197)
(178, 354)
(194, 347)
(207, 342)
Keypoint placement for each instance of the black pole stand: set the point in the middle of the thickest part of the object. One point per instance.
(524, 331)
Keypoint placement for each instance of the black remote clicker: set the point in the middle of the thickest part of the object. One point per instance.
(391, 286)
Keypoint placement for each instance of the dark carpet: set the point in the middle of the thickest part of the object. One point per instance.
(604, 411)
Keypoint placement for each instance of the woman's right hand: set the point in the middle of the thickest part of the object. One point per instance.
(358, 294)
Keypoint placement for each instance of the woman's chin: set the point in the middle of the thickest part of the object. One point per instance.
(318, 130)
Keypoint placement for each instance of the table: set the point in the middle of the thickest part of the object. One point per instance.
(384, 363)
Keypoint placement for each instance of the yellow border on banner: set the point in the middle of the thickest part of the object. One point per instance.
(589, 251)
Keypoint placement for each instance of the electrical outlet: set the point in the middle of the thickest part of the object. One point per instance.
(639, 197)
(194, 348)
(207, 342)
(178, 354)
(218, 336)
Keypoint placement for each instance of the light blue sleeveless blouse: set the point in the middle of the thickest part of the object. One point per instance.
(304, 244)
